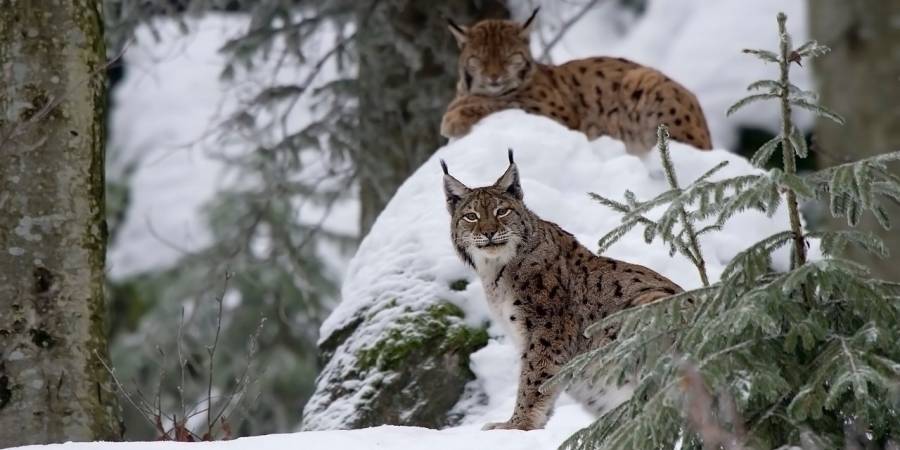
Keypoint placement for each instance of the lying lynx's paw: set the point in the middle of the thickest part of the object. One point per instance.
(456, 124)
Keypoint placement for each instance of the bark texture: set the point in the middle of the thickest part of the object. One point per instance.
(860, 79)
(407, 75)
(53, 387)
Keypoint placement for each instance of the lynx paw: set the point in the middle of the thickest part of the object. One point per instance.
(509, 425)
(455, 125)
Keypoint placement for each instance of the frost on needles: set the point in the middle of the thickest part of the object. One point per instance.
(758, 359)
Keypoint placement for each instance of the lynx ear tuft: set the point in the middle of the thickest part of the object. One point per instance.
(510, 154)
(526, 27)
(453, 189)
(509, 181)
(459, 32)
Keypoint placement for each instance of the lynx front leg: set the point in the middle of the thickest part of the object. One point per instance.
(533, 407)
(464, 112)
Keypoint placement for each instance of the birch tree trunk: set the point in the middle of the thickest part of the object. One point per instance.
(53, 387)
(860, 79)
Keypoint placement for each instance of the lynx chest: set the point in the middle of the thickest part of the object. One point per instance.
(500, 297)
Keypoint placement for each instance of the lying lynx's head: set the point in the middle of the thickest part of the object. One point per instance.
(494, 55)
(488, 224)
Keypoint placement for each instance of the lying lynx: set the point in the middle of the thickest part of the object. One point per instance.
(543, 285)
(598, 96)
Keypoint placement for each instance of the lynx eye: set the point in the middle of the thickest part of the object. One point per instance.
(503, 212)
(470, 217)
(517, 59)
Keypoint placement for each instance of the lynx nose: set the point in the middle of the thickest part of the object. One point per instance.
(489, 235)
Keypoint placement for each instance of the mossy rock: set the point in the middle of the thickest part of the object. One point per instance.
(431, 330)
(412, 374)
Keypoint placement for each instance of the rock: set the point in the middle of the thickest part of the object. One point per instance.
(412, 373)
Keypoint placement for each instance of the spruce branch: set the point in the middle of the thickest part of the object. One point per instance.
(787, 147)
(662, 139)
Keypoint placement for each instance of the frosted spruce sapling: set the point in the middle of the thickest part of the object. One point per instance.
(598, 96)
(543, 286)
(803, 358)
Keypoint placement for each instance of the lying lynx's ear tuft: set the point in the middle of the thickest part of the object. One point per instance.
(459, 32)
(509, 182)
(453, 189)
(509, 153)
(526, 26)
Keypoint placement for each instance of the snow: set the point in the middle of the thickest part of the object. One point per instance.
(384, 437)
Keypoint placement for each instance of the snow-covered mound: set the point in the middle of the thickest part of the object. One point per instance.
(407, 263)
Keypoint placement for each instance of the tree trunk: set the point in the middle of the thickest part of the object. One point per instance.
(407, 74)
(860, 79)
(53, 387)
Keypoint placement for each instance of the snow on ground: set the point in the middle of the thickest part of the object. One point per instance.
(385, 437)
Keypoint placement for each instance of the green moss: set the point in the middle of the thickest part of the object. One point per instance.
(459, 285)
(439, 328)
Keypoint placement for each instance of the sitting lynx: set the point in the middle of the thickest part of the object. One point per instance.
(597, 96)
(543, 285)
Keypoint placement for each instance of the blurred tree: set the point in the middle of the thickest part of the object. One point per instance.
(406, 78)
(861, 80)
(53, 386)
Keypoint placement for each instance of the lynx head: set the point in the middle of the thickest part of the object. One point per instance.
(488, 224)
(494, 55)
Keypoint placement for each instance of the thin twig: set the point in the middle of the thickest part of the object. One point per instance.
(181, 363)
(212, 354)
(564, 28)
(144, 409)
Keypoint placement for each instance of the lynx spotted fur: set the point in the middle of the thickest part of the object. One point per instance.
(597, 96)
(543, 285)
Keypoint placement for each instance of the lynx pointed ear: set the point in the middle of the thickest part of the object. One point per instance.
(459, 32)
(509, 182)
(526, 26)
(453, 189)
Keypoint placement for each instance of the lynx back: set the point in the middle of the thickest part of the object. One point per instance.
(599, 96)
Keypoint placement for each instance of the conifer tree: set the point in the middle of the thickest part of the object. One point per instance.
(759, 359)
